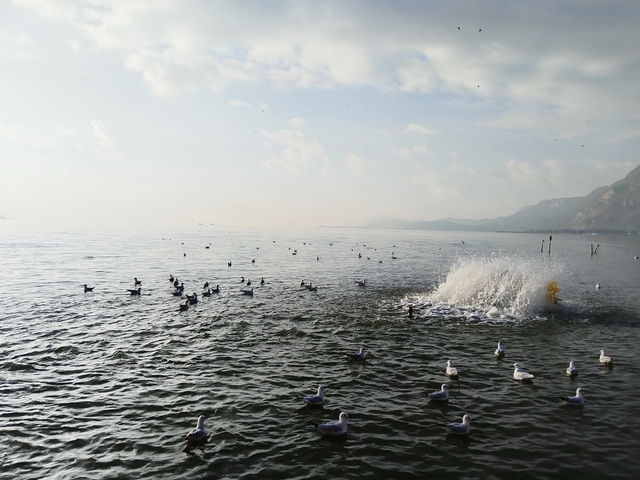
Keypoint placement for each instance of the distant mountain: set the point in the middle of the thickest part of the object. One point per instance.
(610, 209)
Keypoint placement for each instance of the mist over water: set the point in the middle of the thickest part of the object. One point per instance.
(105, 385)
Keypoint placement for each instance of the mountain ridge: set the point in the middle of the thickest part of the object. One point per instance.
(613, 208)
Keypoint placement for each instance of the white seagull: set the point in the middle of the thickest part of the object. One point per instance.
(605, 359)
(499, 351)
(317, 399)
(577, 401)
(441, 395)
(572, 371)
(197, 436)
(460, 428)
(520, 374)
(451, 371)
(334, 428)
(358, 356)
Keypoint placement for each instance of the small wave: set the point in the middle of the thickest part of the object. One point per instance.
(497, 288)
(290, 332)
(17, 366)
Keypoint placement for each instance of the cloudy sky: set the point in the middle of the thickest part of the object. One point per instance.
(304, 113)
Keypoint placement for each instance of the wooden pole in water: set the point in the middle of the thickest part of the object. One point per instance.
(542, 246)
(550, 237)
(592, 249)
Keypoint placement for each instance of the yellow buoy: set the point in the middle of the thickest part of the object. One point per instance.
(552, 290)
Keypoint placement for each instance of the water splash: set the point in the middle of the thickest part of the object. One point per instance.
(498, 286)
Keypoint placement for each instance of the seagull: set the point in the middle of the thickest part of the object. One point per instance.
(358, 356)
(441, 395)
(136, 281)
(605, 359)
(197, 436)
(460, 428)
(451, 371)
(248, 291)
(334, 428)
(88, 289)
(317, 399)
(571, 370)
(206, 285)
(184, 306)
(207, 293)
(520, 374)
(134, 292)
(499, 351)
(577, 401)
(216, 290)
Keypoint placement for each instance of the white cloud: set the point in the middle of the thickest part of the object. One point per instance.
(296, 122)
(179, 47)
(35, 137)
(102, 137)
(520, 170)
(434, 185)
(403, 152)
(462, 168)
(355, 164)
(417, 128)
(240, 103)
(293, 151)
(421, 150)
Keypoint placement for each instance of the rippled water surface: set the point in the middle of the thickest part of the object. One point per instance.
(105, 385)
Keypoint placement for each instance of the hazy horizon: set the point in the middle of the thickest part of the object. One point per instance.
(300, 114)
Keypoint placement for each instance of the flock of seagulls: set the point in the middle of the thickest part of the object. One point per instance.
(519, 374)
(197, 437)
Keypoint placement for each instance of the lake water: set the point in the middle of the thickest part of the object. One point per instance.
(105, 385)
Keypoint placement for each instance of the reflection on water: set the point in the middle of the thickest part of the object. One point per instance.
(104, 384)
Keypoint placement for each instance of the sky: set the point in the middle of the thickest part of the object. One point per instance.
(306, 113)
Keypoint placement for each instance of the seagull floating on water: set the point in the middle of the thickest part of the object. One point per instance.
(197, 436)
(577, 400)
(88, 289)
(317, 399)
(571, 370)
(134, 292)
(451, 371)
(441, 395)
(605, 359)
(136, 281)
(334, 428)
(460, 428)
(358, 356)
(499, 351)
(520, 374)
